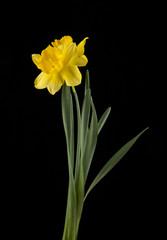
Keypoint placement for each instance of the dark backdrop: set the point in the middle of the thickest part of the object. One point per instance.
(123, 50)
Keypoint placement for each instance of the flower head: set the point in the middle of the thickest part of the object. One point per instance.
(59, 63)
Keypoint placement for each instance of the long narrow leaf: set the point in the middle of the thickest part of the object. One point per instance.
(67, 115)
(103, 119)
(78, 152)
(113, 161)
(85, 118)
(87, 81)
(79, 175)
(70, 228)
(80, 191)
(91, 141)
(71, 211)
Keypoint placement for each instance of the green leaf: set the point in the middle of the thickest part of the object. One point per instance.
(113, 161)
(87, 81)
(78, 152)
(85, 118)
(88, 134)
(68, 121)
(70, 227)
(91, 141)
(71, 211)
(103, 119)
(79, 175)
(80, 192)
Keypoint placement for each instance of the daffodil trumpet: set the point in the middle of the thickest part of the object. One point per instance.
(59, 64)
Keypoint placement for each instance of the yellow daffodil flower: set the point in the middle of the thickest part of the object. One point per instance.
(59, 62)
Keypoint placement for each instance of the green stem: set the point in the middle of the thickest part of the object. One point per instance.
(79, 184)
(73, 88)
(75, 198)
(71, 210)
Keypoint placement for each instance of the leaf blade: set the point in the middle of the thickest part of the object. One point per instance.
(91, 142)
(67, 115)
(71, 211)
(78, 151)
(87, 81)
(80, 192)
(113, 161)
(85, 118)
(79, 175)
(103, 119)
(70, 227)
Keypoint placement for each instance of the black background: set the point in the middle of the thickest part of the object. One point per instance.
(124, 47)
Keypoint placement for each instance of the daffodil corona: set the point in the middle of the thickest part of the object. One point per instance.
(59, 63)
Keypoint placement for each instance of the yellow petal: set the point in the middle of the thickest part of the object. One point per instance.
(42, 80)
(49, 54)
(36, 58)
(71, 75)
(66, 40)
(69, 54)
(42, 62)
(80, 47)
(81, 61)
(51, 59)
(55, 83)
(63, 41)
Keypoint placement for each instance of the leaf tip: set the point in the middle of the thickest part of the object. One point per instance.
(146, 129)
